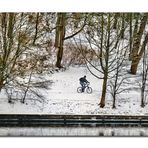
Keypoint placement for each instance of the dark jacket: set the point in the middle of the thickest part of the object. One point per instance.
(83, 80)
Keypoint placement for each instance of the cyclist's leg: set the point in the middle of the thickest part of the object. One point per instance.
(83, 87)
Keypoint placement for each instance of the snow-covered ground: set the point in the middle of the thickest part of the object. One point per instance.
(62, 98)
(74, 131)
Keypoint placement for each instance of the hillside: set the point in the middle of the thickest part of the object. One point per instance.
(62, 98)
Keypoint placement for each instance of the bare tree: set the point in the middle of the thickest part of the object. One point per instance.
(130, 33)
(144, 78)
(16, 38)
(115, 84)
(36, 27)
(102, 41)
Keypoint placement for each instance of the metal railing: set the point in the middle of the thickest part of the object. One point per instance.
(71, 120)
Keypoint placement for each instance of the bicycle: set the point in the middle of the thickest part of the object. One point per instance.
(87, 88)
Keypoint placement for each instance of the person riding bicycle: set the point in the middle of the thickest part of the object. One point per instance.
(83, 82)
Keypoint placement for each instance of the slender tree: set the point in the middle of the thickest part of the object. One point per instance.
(36, 28)
(123, 25)
(103, 45)
(116, 16)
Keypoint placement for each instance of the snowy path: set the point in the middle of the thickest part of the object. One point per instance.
(66, 83)
(63, 96)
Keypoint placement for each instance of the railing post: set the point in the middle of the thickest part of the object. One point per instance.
(64, 121)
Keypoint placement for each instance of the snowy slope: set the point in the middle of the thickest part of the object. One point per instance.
(63, 98)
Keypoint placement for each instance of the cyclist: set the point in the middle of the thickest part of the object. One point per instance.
(83, 82)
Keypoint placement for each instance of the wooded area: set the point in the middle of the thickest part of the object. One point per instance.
(113, 44)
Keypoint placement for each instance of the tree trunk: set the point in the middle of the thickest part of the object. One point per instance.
(1, 82)
(135, 56)
(136, 60)
(143, 92)
(105, 68)
(134, 65)
(114, 101)
(131, 39)
(123, 26)
(60, 34)
(36, 28)
(115, 86)
(59, 57)
(1, 86)
(142, 101)
(102, 102)
(130, 34)
(27, 88)
(115, 20)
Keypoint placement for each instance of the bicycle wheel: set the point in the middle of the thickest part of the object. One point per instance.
(89, 90)
(79, 89)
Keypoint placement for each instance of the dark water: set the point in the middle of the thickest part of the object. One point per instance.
(74, 131)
